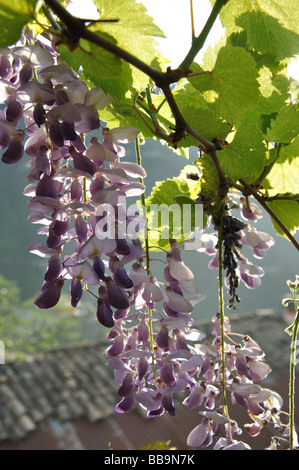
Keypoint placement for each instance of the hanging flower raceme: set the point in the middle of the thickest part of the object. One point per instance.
(235, 234)
(78, 186)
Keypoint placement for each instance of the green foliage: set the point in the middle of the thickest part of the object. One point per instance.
(168, 213)
(285, 11)
(288, 213)
(13, 17)
(158, 445)
(245, 156)
(24, 330)
(284, 176)
(286, 125)
(232, 85)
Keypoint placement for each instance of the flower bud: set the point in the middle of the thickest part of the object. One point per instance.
(76, 292)
(14, 110)
(50, 297)
(117, 297)
(14, 152)
(104, 314)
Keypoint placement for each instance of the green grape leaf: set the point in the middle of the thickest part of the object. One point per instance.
(134, 32)
(232, 84)
(14, 15)
(284, 175)
(170, 213)
(274, 91)
(209, 180)
(205, 122)
(99, 65)
(135, 27)
(193, 185)
(286, 125)
(125, 113)
(187, 95)
(266, 35)
(245, 156)
(285, 11)
(288, 213)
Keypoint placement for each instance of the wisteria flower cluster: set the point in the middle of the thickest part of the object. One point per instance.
(77, 186)
(244, 364)
(236, 233)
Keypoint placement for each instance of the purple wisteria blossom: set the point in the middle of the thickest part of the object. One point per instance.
(78, 187)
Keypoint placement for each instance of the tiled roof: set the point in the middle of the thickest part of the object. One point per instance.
(64, 384)
(73, 384)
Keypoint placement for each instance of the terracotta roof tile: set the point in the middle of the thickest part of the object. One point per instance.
(61, 389)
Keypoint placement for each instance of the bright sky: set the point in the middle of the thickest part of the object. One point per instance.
(173, 18)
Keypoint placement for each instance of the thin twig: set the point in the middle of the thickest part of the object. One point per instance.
(77, 29)
(262, 202)
(192, 19)
(199, 41)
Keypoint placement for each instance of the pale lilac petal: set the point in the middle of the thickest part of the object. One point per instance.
(131, 169)
(133, 189)
(176, 302)
(125, 134)
(199, 434)
(97, 98)
(34, 92)
(258, 370)
(138, 274)
(95, 247)
(96, 151)
(251, 282)
(43, 204)
(76, 91)
(57, 73)
(65, 112)
(251, 269)
(179, 270)
(152, 292)
(40, 250)
(107, 196)
(263, 395)
(246, 389)
(36, 55)
(84, 272)
(149, 399)
(189, 287)
(250, 211)
(226, 444)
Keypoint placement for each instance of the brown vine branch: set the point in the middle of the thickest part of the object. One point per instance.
(262, 202)
(77, 29)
